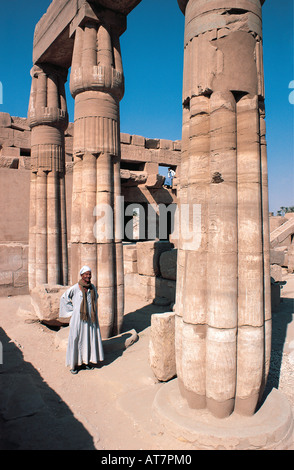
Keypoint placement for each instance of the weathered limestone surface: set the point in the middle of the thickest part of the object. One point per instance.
(53, 41)
(271, 428)
(291, 259)
(162, 346)
(282, 241)
(224, 318)
(15, 169)
(46, 303)
(97, 85)
(282, 234)
(48, 119)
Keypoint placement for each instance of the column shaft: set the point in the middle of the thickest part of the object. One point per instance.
(223, 303)
(222, 262)
(48, 119)
(97, 86)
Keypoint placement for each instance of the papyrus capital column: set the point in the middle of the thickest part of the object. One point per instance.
(97, 85)
(48, 119)
(224, 320)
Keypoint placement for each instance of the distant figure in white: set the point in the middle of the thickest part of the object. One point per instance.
(168, 182)
(84, 343)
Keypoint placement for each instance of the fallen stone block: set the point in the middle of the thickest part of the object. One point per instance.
(46, 302)
(120, 342)
(280, 234)
(115, 343)
(162, 346)
(278, 256)
(276, 272)
(276, 221)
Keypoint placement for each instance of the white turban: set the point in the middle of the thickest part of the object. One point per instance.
(85, 269)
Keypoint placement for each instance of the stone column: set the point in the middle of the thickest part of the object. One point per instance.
(97, 85)
(223, 317)
(48, 119)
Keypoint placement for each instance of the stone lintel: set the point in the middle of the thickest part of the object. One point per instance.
(52, 43)
(120, 6)
(89, 12)
(53, 38)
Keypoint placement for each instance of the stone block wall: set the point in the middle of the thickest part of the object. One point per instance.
(14, 226)
(141, 158)
(150, 271)
(141, 185)
(282, 241)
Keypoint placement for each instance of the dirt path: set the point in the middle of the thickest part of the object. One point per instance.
(43, 406)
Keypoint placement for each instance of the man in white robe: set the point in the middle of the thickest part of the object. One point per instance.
(79, 303)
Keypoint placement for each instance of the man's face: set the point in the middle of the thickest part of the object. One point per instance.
(87, 276)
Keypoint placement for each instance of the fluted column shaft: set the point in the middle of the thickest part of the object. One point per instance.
(97, 85)
(48, 119)
(223, 292)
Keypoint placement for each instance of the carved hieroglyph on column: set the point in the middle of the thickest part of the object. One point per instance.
(48, 119)
(97, 84)
(223, 331)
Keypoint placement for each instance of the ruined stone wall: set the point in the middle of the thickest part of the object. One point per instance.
(141, 183)
(15, 144)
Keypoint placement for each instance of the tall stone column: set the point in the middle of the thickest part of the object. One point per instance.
(48, 119)
(223, 317)
(97, 85)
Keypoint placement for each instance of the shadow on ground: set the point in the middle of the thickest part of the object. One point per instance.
(134, 322)
(280, 321)
(140, 319)
(32, 415)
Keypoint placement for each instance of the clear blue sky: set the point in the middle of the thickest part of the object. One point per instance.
(152, 51)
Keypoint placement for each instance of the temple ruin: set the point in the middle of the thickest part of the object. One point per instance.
(218, 281)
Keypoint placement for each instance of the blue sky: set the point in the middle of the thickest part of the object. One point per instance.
(152, 50)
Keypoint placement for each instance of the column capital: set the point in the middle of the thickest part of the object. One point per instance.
(49, 69)
(183, 4)
(47, 100)
(114, 20)
(97, 63)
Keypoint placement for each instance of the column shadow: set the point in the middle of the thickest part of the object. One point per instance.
(140, 319)
(32, 415)
(280, 321)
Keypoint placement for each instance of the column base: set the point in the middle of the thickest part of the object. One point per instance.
(271, 428)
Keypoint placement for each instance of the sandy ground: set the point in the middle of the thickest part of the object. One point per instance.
(43, 406)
